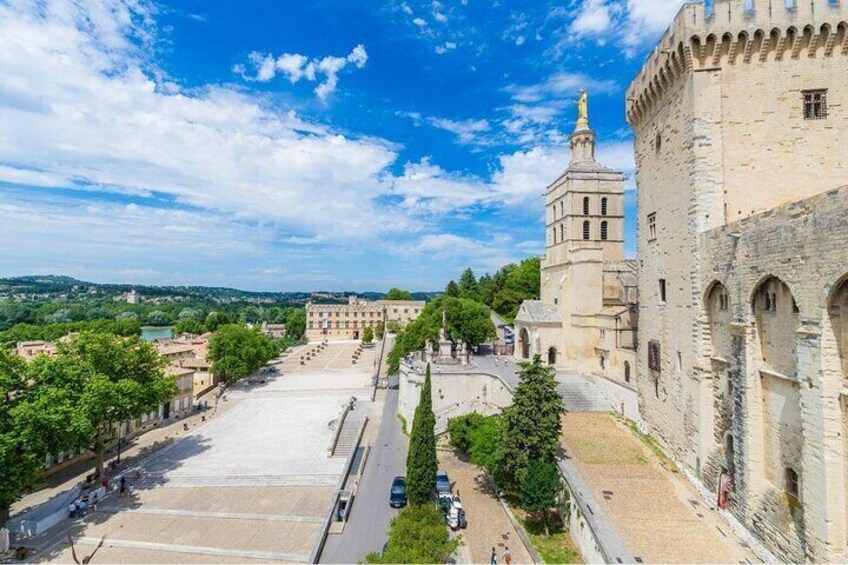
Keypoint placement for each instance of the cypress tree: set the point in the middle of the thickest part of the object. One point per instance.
(421, 462)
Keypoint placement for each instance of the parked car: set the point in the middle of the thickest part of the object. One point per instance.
(456, 515)
(397, 497)
(445, 501)
(442, 482)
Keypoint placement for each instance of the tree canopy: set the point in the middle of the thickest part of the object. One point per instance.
(417, 535)
(398, 294)
(531, 425)
(237, 351)
(468, 321)
(504, 291)
(540, 488)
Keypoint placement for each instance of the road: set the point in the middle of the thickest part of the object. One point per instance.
(370, 515)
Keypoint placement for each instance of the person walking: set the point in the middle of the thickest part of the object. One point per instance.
(494, 558)
(72, 510)
(507, 556)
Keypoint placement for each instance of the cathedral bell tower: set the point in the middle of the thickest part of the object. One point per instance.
(584, 208)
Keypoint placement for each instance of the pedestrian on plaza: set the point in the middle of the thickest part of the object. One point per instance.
(131, 490)
(94, 502)
(494, 559)
(72, 510)
(507, 556)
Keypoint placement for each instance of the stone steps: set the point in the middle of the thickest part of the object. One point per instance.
(581, 394)
(348, 438)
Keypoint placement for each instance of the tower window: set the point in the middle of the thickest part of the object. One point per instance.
(792, 488)
(662, 291)
(815, 104)
(586, 230)
(658, 142)
(652, 226)
(561, 233)
(586, 206)
(603, 206)
(604, 231)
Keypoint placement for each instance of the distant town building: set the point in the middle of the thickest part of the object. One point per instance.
(274, 331)
(347, 321)
(132, 297)
(31, 349)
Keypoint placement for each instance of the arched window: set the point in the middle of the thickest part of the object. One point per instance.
(552, 353)
(603, 206)
(561, 232)
(554, 230)
(586, 230)
(586, 206)
(604, 231)
(627, 371)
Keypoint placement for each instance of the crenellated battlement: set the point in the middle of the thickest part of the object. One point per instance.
(737, 32)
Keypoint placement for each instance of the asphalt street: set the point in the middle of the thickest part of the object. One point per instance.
(370, 515)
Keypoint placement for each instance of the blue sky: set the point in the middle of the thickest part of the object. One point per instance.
(281, 145)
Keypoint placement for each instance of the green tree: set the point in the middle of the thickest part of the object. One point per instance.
(158, 318)
(531, 425)
(515, 284)
(468, 287)
(452, 289)
(189, 326)
(295, 321)
(379, 330)
(123, 316)
(417, 535)
(485, 440)
(540, 489)
(216, 319)
(421, 462)
(108, 379)
(461, 428)
(469, 321)
(367, 335)
(237, 351)
(398, 294)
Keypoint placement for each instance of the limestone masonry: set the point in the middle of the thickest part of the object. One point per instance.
(742, 373)
(347, 321)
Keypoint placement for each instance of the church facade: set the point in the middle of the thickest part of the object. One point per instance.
(586, 318)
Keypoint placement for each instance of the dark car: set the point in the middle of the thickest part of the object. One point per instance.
(442, 482)
(397, 498)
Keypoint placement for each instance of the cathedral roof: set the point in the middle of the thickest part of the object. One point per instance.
(538, 312)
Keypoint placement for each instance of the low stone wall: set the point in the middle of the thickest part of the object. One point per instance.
(624, 397)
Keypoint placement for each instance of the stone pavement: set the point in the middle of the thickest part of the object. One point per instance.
(488, 524)
(251, 485)
(658, 514)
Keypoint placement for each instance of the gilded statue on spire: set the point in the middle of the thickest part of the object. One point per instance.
(582, 110)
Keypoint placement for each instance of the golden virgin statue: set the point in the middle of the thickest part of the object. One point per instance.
(582, 110)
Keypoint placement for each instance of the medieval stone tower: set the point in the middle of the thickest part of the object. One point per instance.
(739, 117)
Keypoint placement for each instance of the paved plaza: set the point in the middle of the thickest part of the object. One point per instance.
(253, 484)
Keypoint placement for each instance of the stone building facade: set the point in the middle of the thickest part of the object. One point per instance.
(586, 319)
(335, 322)
(741, 170)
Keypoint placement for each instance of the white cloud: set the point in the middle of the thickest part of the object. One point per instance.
(594, 18)
(295, 67)
(420, 22)
(77, 104)
(448, 46)
(646, 19)
(440, 17)
(466, 130)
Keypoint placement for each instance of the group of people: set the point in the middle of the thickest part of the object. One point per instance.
(78, 507)
(125, 488)
(506, 556)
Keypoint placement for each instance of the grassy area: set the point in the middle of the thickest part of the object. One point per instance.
(555, 548)
(596, 439)
(652, 445)
(403, 423)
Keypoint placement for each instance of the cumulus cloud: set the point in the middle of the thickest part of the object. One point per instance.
(295, 67)
(467, 131)
(594, 18)
(447, 46)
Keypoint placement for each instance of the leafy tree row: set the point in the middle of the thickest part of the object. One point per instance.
(72, 399)
(417, 535)
(52, 332)
(505, 290)
(467, 321)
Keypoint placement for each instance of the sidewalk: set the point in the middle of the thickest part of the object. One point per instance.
(488, 524)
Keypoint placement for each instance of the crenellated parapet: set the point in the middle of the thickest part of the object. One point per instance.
(730, 33)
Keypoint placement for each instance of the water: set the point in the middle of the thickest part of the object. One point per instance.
(149, 334)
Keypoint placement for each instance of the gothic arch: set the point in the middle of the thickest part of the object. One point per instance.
(552, 356)
(776, 318)
(718, 316)
(524, 343)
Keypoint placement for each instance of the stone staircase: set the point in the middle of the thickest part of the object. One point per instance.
(581, 394)
(349, 435)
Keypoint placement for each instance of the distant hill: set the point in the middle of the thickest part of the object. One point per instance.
(59, 284)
